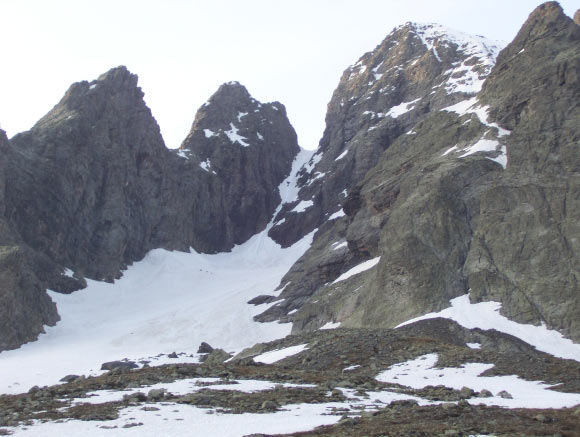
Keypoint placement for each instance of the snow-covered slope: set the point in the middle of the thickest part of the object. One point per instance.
(168, 302)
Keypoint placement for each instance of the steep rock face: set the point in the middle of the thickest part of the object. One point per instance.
(246, 149)
(417, 70)
(530, 262)
(88, 176)
(481, 197)
(91, 188)
(24, 306)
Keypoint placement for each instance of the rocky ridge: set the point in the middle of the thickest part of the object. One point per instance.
(477, 196)
(91, 188)
(337, 370)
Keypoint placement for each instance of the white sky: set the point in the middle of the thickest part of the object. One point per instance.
(293, 51)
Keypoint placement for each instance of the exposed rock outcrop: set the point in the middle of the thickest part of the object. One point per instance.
(92, 188)
(480, 197)
(416, 71)
(246, 149)
(24, 306)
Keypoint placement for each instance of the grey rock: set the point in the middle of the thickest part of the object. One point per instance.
(217, 356)
(123, 365)
(466, 393)
(92, 187)
(269, 405)
(446, 225)
(69, 378)
(204, 348)
(156, 394)
(505, 395)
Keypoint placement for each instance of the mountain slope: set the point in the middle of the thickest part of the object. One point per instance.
(416, 71)
(91, 188)
(479, 196)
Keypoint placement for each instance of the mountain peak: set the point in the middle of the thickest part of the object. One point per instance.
(546, 20)
(120, 77)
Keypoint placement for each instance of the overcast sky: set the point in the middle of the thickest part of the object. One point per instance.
(293, 51)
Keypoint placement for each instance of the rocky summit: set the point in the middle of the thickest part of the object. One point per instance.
(417, 274)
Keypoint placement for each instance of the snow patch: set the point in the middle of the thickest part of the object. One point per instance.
(358, 269)
(338, 245)
(485, 315)
(346, 369)
(337, 214)
(342, 155)
(421, 372)
(209, 133)
(169, 301)
(206, 165)
(235, 137)
(279, 354)
(182, 153)
(302, 206)
(467, 76)
(402, 108)
(330, 325)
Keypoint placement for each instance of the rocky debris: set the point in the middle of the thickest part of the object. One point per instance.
(577, 17)
(322, 366)
(122, 365)
(156, 394)
(405, 418)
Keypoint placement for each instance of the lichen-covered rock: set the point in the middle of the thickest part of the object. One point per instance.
(416, 70)
(479, 198)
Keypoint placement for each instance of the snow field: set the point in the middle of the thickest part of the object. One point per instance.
(485, 315)
(169, 301)
(421, 372)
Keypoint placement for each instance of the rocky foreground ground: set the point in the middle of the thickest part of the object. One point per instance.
(337, 367)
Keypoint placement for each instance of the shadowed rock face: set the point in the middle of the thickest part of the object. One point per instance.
(94, 188)
(24, 306)
(87, 179)
(91, 187)
(446, 221)
(246, 149)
